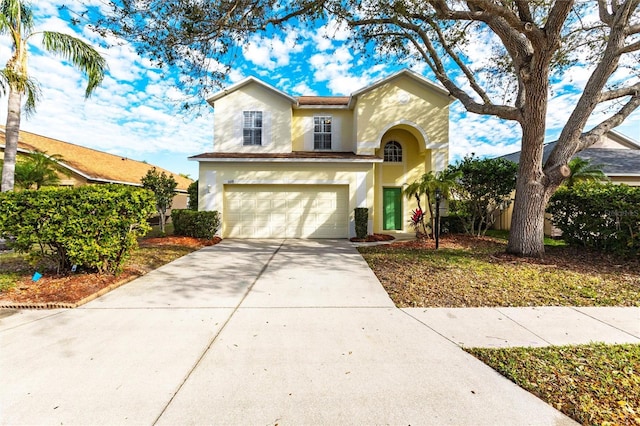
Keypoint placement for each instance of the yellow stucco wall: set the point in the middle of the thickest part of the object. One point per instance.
(358, 176)
(227, 132)
(342, 129)
(401, 101)
(397, 175)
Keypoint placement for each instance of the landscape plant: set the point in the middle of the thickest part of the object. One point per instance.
(427, 185)
(600, 216)
(583, 170)
(17, 21)
(39, 169)
(483, 187)
(163, 187)
(197, 224)
(361, 218)
(93, 227)
(192, 191)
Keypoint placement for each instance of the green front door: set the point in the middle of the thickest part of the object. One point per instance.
(392, 202)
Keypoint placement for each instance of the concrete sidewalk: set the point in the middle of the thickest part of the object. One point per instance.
(267, 332)
(535, 326)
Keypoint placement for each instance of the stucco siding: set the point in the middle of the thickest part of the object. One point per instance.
(358, 177)
(342, 129)
(401, 101)
(227, 133)
(397, 175)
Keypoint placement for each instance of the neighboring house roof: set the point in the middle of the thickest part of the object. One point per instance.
(614, 162)
(289, 156)
(623, 140)
(93, 165)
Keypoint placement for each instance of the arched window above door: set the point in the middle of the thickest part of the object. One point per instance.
(393, 152)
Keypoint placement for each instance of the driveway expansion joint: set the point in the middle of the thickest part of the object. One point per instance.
(215, 337)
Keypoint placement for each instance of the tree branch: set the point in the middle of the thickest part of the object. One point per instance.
(463, 67)
(619, 93)
(630, 48)
(524, 11)
(592, 136)
(593, 90)
(603, 11)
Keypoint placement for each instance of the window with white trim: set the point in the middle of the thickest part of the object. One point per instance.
(393, 152)
(252, 128)
(322, 132)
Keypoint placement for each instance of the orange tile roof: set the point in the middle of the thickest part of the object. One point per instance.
(93, 164)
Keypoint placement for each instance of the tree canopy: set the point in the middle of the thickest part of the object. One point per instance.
(164, 188)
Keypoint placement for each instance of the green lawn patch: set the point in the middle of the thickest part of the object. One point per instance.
(472, 272)
(595, 384)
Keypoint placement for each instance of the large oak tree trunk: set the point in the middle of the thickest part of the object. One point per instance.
(12, 132)
(526, 237)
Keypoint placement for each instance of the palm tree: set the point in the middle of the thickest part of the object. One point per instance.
(427, 185)
(39, 169)
(16, 20)
(583, 170)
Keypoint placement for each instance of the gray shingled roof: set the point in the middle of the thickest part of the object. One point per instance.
(613, 161)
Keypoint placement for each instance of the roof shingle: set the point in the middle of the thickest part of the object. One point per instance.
(92, 164)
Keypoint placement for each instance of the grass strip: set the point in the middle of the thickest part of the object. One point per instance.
(593, 384)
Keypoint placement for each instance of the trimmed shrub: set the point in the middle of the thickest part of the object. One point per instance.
(193, 196)
(189, 223)
(95, 226)
(361, 216)
(452, 224)
(604, 217)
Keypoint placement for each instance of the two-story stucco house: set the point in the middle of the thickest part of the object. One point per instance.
(297, 167)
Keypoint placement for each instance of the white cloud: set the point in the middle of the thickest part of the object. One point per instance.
(273, 52)
(332, 31)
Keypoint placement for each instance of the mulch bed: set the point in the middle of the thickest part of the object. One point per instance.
(373, 238)
(65, 290)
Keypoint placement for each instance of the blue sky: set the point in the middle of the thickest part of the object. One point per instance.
(135, 113)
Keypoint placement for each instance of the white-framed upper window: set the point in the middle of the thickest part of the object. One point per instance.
(393, 152)
(322, 132)
(252, 128)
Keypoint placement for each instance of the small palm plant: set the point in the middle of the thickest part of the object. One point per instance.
(16, 20)
(427, 185)
(583, 170)
(39, 169)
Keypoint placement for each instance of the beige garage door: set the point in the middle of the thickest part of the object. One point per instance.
(286, 211)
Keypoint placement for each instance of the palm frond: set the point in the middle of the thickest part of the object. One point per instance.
(15, 14)
(584, 170)
(4, 83)
(32, 90)
(80, 54)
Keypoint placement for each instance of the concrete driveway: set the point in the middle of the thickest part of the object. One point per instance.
(249, 332)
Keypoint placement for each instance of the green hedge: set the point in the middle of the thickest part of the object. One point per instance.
(604, 217)
(361, 216)
(191, 223)
(95, 227)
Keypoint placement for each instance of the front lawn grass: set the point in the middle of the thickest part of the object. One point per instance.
(595, 384)
(474, 272)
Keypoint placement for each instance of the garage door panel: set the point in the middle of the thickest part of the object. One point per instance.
(286, 211)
